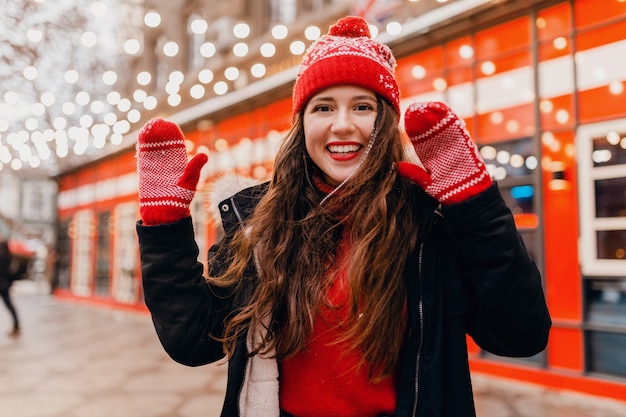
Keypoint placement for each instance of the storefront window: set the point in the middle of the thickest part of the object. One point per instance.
(611, 244)
(609, 149)
(602, 173)
(125, 282)
(512, 164)
(103, 258)
(606, 353)
(610, 197)
(606, 326)
(61, 279)
(82, 230)
(602, 184)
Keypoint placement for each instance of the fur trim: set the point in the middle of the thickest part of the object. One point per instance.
(259, 393)
(223, 187)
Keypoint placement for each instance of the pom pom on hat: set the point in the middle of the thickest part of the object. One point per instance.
(347, 56)
(350, 27)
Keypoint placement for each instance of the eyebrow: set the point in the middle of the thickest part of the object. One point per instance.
(355, 98)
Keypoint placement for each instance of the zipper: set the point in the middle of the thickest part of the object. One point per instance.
(420, 310)
(240, 218)
(245, 367)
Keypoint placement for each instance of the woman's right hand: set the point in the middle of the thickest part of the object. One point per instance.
(167, 181)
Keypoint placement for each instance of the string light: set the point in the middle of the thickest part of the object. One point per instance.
(113, 99)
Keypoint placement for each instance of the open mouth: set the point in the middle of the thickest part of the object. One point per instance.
(343, 149)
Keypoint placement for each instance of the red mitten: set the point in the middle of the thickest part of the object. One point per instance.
(446, 150)
(167, 183)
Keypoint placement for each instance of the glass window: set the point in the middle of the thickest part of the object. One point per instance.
(63, 246)
(606, 353)
(510, 159)
(606, 302)
(609, 149)
(513, 164)
(611, 244)
(82, 231)
(125, 283)
(103, 257)
(611, 197)
(606, 321)
(602, 198)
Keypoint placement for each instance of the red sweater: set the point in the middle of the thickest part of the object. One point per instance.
(322, 381)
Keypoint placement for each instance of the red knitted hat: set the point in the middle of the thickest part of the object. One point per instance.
(347, 55)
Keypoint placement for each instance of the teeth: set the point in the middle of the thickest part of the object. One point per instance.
(343, 148)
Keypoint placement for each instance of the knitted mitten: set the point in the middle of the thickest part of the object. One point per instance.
(443, 144)
(167, 183)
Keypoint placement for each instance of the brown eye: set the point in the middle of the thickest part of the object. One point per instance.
(321, 107)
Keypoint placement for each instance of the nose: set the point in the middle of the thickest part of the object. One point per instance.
(342, 122)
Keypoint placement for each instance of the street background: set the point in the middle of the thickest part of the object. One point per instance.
(81, 360)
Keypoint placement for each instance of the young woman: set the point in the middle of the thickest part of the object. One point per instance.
(346, 285)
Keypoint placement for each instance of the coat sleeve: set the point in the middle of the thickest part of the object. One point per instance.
(186, 312)
(507, 313)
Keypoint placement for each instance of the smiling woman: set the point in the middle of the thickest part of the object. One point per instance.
(352, 269)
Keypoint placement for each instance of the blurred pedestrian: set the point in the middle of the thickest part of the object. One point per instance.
(6, 281)
(346, 285)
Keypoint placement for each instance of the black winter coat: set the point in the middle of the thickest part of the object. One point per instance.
(469, 274)
(5, 263)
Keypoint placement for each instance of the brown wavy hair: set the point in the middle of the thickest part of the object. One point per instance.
(293, 243)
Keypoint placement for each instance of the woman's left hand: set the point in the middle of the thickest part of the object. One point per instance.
(450, 157)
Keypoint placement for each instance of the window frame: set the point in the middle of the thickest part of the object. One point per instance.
(591, 265)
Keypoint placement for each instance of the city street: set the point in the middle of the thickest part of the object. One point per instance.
(78, 360)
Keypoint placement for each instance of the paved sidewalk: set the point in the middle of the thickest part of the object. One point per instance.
(77, 360)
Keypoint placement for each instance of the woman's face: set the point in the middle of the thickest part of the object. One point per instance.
(338, 122)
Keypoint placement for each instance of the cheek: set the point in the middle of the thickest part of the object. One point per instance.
(369, 127)
(312, 138)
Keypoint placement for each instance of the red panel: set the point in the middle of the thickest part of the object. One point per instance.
(277, 115)
(565, 348)
(557, 107)
(106, 169)
(593, 12)
(602, 36)
(562, 274)
(512, 123)
(555, 49)
(554, 21)
(452, 53)
(510, 62)
(472, 347)
(553, 379)
(502, 39)
(430, 61)
(234, 128)
(67, 182)
(126, 162)
(600, 104)
(63, 294)
(460, 75)
(470, 125)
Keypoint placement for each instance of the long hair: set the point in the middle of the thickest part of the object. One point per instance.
(293, 242)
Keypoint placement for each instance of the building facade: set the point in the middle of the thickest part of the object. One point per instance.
(542, 90)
